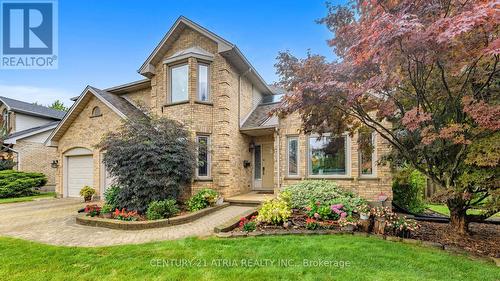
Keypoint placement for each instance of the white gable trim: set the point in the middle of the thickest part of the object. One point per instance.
(14, 139)
(88, 90)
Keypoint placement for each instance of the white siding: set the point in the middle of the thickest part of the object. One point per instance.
(24, 122)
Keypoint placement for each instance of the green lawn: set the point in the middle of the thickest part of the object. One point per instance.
(26, 198)
(443, 209)
(225, 259)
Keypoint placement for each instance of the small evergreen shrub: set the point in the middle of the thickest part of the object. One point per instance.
(6, 164)
(204, 198)
(111, 196)
(318, 190)
(17, 184)
(162, 209)
(407, 188)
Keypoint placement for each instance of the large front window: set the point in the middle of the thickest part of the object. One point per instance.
(203, 87)
(328, 156)
(203, 169)
(179, 81)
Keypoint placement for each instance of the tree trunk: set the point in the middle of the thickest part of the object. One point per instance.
(458, 220)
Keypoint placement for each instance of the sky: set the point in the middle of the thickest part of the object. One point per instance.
(103, 43)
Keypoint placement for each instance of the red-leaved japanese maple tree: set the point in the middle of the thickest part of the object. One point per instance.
(422, 74)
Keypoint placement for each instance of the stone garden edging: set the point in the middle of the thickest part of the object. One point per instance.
(83, 219)
(226, 231)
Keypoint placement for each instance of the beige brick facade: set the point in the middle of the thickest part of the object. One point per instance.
(232, 99)
(85, 132)
(36, 157)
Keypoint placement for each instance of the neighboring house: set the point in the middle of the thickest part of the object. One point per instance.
(202, 80)
(27, 127)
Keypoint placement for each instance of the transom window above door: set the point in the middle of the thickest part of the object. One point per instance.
(179, 83)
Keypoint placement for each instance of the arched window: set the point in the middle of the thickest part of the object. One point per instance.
(96, 111)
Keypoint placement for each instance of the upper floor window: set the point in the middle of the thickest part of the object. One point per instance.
(96, 111)
(179, 83)
(203, 86)
(328, 156)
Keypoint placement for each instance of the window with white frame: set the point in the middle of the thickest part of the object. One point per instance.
(328, 156)
(179, 83)
(5, 119)
(203, 82)
(203, 146)
(293, 156)
(367, 154)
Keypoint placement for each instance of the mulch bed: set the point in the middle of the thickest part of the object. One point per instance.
(484, 239)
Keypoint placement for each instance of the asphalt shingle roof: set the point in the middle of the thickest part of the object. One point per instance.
(259, 115)
(119, 103)
(34, 129)
(29, 108)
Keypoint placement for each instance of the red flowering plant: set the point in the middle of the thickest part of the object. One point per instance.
(312, 224)
(248, 225)
(381, 212)
(124, 215)
(92, 210)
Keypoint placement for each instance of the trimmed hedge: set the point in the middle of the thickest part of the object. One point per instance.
(323, 191)
(18, 184)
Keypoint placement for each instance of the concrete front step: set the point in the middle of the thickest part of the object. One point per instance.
(254, 198)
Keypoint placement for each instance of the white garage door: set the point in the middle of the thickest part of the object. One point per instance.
(80, 174)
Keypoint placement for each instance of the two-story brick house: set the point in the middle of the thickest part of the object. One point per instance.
(202, 80)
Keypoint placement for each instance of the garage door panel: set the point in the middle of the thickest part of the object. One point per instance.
(80, 173)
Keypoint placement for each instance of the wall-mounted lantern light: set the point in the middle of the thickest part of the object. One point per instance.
(246, 163)
(251, 146)
(54, 164)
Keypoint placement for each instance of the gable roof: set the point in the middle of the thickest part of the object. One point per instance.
(259, 116)
(12, 138)
(32, 109)
(225, 48)
(117, 104)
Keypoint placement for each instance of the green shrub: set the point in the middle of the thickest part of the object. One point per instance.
(17, 184)
(162, 209)
(111, 196)
(319, 190)
(106, 209)
(275, 211)
(151, 158)
(87, 191)
(6, 164)
(204, 198)
(407, 188)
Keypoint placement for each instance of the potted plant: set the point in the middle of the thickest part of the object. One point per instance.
(402, 226)
(364, 212)
(87, 192)
(347, 224)
(380, 214)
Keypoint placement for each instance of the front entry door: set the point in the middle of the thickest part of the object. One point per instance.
(263, 174)
(257, 170)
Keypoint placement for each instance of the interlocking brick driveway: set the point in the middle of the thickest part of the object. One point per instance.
(52, 221)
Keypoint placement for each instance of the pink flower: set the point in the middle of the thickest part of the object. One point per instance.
(316, 215)
(308, 208)
(343, 215)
